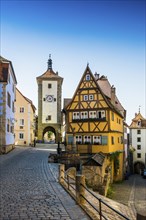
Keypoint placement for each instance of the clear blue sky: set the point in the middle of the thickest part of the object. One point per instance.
(110, 35)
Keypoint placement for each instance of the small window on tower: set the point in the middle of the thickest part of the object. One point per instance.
(49, 86)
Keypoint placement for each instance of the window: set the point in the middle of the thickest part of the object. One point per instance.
(13, 87)
(138, 131)
(8, 99)
(8, 125)
(100, 114)
(87, 139)
(91, 97)
(139, 123)
(49, 117)
(49, 86)
(138, 147)
(87, 77)
(21, 136)
(85, 97)
(138, 139)
(78, 139)
(138, 155)
(97, 139)
(21, 122)
(112, 140)
(112, 116)
(76, 115)
(21, 109)
(84, 115)
(13, 108)
(121, 139)
(92, 114)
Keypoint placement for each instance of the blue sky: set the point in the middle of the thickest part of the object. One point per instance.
(110, 35)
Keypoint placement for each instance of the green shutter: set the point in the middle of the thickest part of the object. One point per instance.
(104, 140)
(70, 139)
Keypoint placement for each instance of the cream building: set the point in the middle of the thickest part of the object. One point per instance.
(25, 120)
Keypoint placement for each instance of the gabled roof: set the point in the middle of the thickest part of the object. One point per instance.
(102, 84)
(138, 118)
(28, 100)
(4, 67)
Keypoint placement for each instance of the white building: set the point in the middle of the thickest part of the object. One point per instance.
(7, 98)
(138, 142)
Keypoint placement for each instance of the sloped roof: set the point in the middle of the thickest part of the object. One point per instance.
(4, 66)
(138, 117)
(50, 74)
(104, 87)
(28, 100)
(96, 160)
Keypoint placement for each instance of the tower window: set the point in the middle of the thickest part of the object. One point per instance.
(138, 155)
(49, 86)
(138, 131)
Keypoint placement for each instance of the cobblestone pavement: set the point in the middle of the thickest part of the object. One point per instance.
(132, 192)
(29, 191)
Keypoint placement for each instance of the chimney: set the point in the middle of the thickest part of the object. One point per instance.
(113, 95)
(96, 75)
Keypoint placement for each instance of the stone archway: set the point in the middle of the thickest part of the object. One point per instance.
(49, 138)
(138, 167)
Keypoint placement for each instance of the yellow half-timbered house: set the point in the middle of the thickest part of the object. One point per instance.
(94, 121)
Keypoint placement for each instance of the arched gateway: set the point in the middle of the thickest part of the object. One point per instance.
(49, 102)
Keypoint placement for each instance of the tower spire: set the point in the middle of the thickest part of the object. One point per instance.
(50, 63)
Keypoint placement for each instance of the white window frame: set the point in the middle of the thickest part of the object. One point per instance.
(84, 115)
(79, 139)
(97, 139)
(88, 77)
(86, 97)
(76, 115)
(21, 122)
(91, 97)
(92, 114)
(87, 138)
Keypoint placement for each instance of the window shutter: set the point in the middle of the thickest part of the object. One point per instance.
(70, 139)
(104, 140)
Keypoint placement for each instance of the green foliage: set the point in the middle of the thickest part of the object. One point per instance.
(115, 157)
(50, 134)
(110, 192)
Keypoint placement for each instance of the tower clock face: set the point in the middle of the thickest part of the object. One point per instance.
(49, 98)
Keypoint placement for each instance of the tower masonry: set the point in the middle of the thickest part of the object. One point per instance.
(49, 102)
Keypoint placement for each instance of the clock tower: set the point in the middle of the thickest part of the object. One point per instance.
(49, 102)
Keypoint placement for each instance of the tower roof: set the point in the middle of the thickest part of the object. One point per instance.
(49, 74)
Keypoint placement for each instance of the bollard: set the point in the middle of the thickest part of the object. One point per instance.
(80, 190)
(61, 173)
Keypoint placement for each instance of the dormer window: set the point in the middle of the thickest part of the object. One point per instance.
(139, 123)
(87, 77)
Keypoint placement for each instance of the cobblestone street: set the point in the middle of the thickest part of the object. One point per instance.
(30, 191)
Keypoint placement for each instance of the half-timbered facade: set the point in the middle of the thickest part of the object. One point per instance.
(94, 119)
